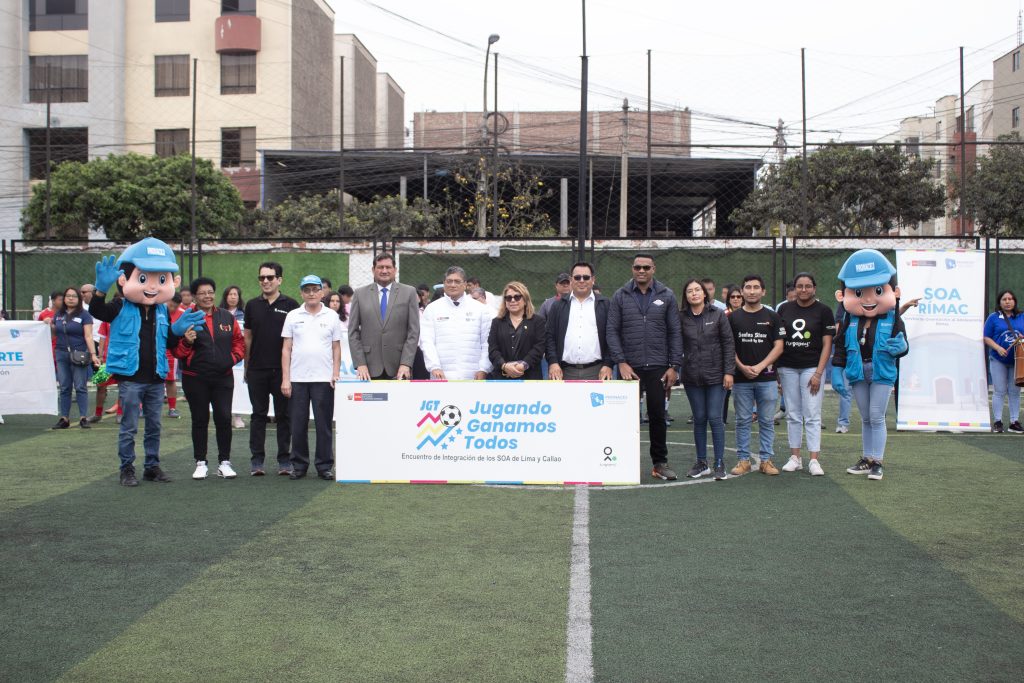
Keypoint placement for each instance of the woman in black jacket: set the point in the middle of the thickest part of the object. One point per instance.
(208, 352)
(709, 363)
(516, 341)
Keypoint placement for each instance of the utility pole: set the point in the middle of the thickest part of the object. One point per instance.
(624, 176)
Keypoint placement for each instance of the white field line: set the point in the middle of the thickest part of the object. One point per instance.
(579, 658)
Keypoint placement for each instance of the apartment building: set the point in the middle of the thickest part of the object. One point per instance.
(1008, 93)
(120, 76)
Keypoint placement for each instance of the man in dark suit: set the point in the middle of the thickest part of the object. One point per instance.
(384, 325)
(577, 347)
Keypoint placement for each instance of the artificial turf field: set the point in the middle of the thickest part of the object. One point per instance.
(789, 578)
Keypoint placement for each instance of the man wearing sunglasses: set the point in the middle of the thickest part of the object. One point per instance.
(645, 339)
(577, 343)
(264, 318)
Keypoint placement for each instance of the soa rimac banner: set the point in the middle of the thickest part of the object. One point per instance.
(493, 432)
(943, 384)
(27, 382)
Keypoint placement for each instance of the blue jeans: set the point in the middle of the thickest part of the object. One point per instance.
(872, 402)
(151, 396)
(706, 405)
(804, 411)
(745, 395)
(845, 402)
(76, 377)
(1002, 387)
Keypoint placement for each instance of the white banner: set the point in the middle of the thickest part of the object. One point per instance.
(240, 404)
(943, 384)
(506, 432)
(28, 384)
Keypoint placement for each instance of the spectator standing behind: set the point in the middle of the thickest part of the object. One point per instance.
(266, 315)
(709, 362)
(310, 366)
(807, 345)
(56, 302)
(733, 297)
(577, 331)
(71, 327)
(644, 338)
(186, 298)
(845, 396)
(489, 298)
(709, 287)
(757, 333)
(1003, 328)
(334, 302)
(174, 311)
(454, 331)
(231, 301)
(516, 341)
(384, 328)
(208, 351)
(563, 286)
(423, 291)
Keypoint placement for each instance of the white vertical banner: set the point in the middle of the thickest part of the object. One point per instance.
(28, 384)
(943, 384)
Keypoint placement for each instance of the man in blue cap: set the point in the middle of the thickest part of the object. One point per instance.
(146, 274)
(868, 343)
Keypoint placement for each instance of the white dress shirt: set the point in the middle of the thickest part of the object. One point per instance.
(582, 343)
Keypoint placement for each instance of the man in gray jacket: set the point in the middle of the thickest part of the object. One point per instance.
(645, 340)
(384, 325)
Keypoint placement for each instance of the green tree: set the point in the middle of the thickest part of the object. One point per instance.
(993, 192)
(316, 215)
(850, 191)
(130, 196)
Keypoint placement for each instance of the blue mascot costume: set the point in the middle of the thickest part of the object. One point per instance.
(868, 342)
(146, 275)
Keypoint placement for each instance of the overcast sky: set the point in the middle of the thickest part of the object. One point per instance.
(735, 64)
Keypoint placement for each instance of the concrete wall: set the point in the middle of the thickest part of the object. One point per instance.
(1008, 89)
(559, 131)
(311, 72)
(360, 92)
(390, 113)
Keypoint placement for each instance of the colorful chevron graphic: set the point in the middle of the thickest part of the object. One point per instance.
(434, 429)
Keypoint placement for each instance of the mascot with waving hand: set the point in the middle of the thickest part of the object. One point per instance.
(146, 275)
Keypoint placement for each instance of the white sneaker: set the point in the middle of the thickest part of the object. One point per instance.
(814, 467)
(842, 429)
(238, 423)
(201, 470)
(225, 470)
(795, 464)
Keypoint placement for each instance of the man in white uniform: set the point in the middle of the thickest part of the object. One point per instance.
(454, 331)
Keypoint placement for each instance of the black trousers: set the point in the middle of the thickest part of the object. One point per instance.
(203, 392)
(321, 395)
(650, 384)
(264, 385)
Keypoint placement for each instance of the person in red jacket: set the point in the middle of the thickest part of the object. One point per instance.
(208, 352)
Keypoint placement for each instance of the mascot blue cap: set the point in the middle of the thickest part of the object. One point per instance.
(866, 268)
(151, 255)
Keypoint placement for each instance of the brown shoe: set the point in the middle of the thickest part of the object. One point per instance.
(768, 468)
(742, 467)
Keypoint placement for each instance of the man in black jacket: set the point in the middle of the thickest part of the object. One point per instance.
(577, 343)
(645, 340)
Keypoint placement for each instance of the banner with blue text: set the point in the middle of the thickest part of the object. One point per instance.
(27, 380)
(494, 432)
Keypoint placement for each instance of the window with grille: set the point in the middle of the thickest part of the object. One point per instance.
(238, 74)
(65, 76)
(171, 142)
(58, 15)
(171, 77)
(237, 147)
(66, 144)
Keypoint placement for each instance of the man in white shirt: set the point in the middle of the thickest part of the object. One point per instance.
(577, 347)
(454, 331)
(310, 366)
(709, 286)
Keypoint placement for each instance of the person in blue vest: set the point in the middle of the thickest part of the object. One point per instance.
(146, 275)
(868, 342)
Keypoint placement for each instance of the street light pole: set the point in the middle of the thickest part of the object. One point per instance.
(481, 219)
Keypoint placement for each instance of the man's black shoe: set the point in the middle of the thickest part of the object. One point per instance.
(128, 477)
(296, 474)
(155, 474)
(326, 475)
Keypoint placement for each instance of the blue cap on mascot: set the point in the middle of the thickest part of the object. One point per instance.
(151, 255)
(865, 268)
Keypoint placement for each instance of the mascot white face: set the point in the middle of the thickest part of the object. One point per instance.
(868, 284)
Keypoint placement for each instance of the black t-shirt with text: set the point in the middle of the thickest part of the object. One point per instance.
(806, 328)
(754, 335)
